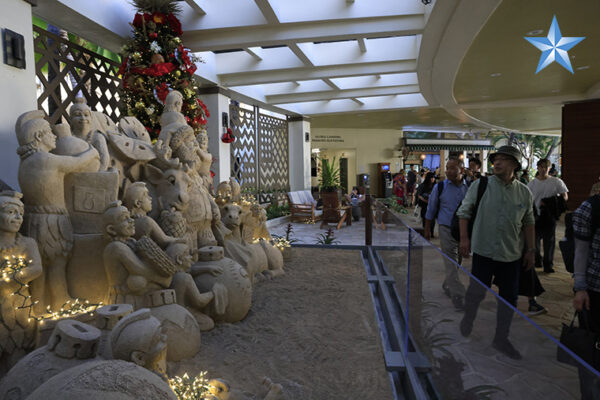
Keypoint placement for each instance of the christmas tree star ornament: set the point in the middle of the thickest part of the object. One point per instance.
(554, 47)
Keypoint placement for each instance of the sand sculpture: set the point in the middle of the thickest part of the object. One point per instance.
(17, 329)
(156, 254)
(42, 177)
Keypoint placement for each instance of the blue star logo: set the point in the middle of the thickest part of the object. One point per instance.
(554, 47)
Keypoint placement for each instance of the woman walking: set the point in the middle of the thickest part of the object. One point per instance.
(423, 197)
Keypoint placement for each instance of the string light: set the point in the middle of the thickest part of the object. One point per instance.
(10, 270)
(281, 243)
(187, 388)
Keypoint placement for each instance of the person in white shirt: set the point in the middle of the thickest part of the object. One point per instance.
(546, 189)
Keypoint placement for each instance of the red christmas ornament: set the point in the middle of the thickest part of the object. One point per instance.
(153, 35)
(228, 136)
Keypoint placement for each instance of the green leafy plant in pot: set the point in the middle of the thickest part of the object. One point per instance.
(329, 183)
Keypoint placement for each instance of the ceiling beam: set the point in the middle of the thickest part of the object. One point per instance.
(196, 6)
(381, 103)
(301, 54)
(362, 45)
(254, 52)
(300, 74)
(331, 84)
(267, 11)
(340, 94)
(283, 34)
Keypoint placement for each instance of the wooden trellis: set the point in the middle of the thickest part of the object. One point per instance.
(65, 69)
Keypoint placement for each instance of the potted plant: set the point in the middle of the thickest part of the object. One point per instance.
(329, 186)
(284, 243)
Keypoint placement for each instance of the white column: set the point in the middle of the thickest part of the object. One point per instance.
(443, 160)
(465, 158)
(299, 152)
(484, 161)
(18, 87)
(218, 104)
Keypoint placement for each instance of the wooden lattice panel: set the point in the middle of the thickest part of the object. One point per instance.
(65, 68)
(243, 150)
(273, 158)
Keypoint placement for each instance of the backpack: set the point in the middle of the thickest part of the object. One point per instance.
(567, 244)
(454, 225)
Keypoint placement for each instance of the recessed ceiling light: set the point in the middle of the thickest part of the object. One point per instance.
(495, 74)
(582, 67)
(535, 32)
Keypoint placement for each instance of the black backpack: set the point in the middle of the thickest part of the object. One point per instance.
(454, 225)
(567, 245)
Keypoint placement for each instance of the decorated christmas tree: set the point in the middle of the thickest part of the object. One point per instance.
(154, 63)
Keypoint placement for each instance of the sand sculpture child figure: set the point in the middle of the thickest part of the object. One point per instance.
(183, 283)
(128, 275)
(137, 199)
(172, 111)
(41, 177)
(17, 330)
(206, 159)
(84, 128)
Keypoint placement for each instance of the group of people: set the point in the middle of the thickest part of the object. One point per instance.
(506, 226)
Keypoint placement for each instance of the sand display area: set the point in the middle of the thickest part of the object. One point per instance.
(312, 331)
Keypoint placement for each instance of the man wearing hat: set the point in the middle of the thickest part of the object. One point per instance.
(504, 221)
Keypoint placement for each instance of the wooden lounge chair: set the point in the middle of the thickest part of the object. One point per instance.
(303, 206)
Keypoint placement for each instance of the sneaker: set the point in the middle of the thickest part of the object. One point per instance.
(466, 326)
(505, 347)
(535, 308)
(458, 302)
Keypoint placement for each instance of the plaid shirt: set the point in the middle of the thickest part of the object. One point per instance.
(582, 230)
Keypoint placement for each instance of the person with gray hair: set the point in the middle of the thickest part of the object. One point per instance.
(503, 224)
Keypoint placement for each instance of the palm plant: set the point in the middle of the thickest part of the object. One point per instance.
(330, 175)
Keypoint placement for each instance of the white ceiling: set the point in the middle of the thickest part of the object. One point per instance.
(307, 57)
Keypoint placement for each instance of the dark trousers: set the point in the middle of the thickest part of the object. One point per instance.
(506, 277)
(546, 234)
(589, 383)
(423, 212)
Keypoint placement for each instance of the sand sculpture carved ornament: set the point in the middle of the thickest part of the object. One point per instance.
(137, 370)
(41, 177)
(71, 344)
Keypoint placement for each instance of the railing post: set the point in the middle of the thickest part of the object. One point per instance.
(368, 221)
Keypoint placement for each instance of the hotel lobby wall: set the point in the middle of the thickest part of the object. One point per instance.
(372, 146)
(18, 87)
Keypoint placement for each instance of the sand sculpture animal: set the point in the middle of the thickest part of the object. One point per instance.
(250, 255)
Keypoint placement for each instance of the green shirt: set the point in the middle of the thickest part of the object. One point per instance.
(503, 212)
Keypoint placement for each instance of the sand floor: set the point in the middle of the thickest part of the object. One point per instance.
(312, 331)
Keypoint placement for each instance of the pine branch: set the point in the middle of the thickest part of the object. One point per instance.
(162, 6)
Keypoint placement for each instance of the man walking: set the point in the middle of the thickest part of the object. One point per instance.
(546, 189)
(587, 282)
(473, 172)
(442, 206)
(505, 213)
